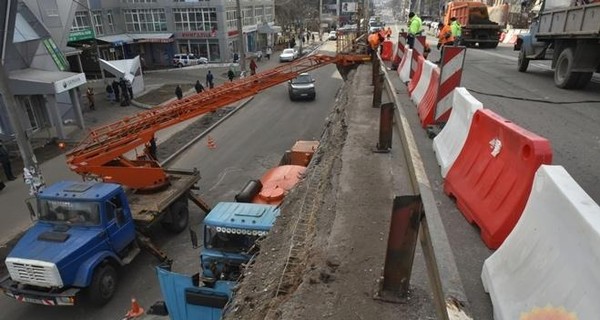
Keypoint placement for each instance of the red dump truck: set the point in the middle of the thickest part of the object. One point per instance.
(477, 28)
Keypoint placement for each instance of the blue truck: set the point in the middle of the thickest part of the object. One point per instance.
(230, 232)
(84, 231)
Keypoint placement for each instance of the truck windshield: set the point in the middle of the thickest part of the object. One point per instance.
(230, 240)
(75, 213)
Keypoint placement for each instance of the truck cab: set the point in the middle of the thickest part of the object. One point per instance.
(84, 230)
(230, 233)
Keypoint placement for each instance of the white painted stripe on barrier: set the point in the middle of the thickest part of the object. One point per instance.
(450, 141)
(509, 34)
(444, 105)
(404, 69)
(551, 257)
(454, 65)
(421, 88)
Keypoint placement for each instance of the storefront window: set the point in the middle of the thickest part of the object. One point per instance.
(208, 48)
(195, 19)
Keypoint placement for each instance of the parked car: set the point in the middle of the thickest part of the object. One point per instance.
(302, 87)
(288, 55)
(332, 35)
(187, 59)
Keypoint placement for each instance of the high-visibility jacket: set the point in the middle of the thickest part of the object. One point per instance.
(445, 35)
(373, 40)
(456, 28)
(414, 26)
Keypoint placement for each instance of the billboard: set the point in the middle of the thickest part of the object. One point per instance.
(348, 7)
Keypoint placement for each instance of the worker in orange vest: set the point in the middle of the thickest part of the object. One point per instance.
(373, 40)
(445, 38)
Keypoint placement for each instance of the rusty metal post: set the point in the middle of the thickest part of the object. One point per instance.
(386, 123)
(376, 63)
(402, 242)
(378, 89)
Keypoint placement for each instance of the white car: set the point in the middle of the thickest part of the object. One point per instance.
(288, 55)
(187, 59)
(332, 35)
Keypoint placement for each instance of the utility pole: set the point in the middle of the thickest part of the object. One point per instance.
(241, 36)
(320, 19)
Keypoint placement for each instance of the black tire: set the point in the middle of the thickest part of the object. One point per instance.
(584, 79)
(179, 65)
(179, 217)
(103, 286)
(564, 77)
(522, 62)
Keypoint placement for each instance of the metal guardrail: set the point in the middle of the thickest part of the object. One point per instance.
(449, 296)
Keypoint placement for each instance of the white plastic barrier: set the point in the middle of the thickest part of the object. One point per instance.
(551, 259)
(423, 82)
(404, 68)
(449, 142)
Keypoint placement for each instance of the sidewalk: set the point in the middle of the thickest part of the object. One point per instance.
(15, 216)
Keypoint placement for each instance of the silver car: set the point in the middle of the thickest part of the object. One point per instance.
(302, 87)
(288, 55)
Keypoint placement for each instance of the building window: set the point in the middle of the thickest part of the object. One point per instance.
(231, 20)
(269, 13)
(81, 21)
(208, 48)
(191, 0)
(258, 15)
(98, 28)
(110, 22)
(195, 19)
(142, 20)
(247, 16)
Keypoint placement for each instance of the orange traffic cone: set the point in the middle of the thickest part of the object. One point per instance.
(135, 310)
(211, 143)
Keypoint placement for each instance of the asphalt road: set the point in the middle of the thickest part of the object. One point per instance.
(248, 143)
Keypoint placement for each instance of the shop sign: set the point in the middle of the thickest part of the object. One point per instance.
(69, 83)
(196, 34)
(85, 34)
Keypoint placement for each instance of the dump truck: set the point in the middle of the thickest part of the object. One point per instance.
(477, 28)
(84, 231)
(231, 231)
(568, 33)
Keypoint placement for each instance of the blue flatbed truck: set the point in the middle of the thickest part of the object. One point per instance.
(85, 231)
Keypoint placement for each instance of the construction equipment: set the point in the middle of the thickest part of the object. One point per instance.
(101, 155)
(477, 28)
(568, 33)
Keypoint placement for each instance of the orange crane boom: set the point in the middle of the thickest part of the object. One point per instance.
(102, 153)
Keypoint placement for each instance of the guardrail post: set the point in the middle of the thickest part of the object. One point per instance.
(376, 63)
(386, 123)
(402, 242)
(378, 89)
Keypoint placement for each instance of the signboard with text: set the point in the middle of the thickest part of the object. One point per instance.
(85, 34)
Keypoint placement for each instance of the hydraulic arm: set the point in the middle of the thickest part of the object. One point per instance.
(102, 153)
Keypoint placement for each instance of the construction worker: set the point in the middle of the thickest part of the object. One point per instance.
(445, 37)
(456, 30)
(373, 42)
(414, 29)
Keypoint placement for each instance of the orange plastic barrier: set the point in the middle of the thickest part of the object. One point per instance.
(387, 50)
(426, 108)
(492, 176)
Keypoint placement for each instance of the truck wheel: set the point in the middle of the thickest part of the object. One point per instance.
(179, 217)
(564, 77)
(104, 285)
(584, 78)
(523, 62)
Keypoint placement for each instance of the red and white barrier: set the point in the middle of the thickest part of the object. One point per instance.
(414, 79)
(387, 50)
(452, 62)
(548, 265)
(512, 34)
(400, 50)
(425, 108)
(418, 50)
(493, 173)
(450, 141)
(404, 68)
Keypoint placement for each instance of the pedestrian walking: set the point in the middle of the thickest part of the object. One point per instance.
(5, 160)
(129, 88)
(124, 93)
(236, 57)
(230, 75)
(414, 29)
(253, 67)
(198, 86)
(269, 53)
(312, 36)
(90, 96)
(210, 80)
(110, 95)
(115, 87)
(178, 92)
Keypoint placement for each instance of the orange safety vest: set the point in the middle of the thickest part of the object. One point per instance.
(373, 40)
(446, 31)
